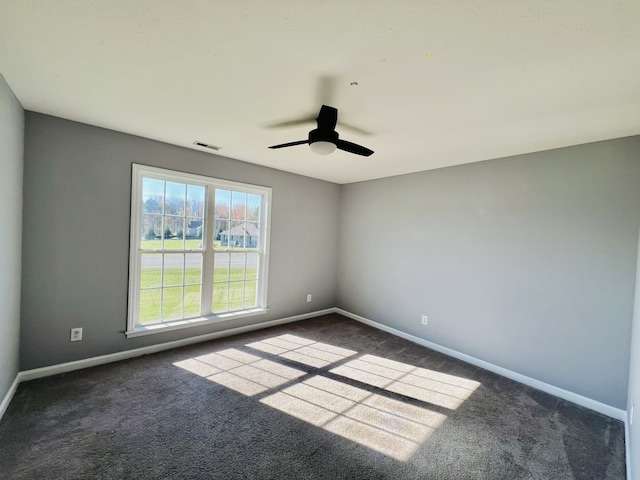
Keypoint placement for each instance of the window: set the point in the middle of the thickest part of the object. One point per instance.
(198, 250)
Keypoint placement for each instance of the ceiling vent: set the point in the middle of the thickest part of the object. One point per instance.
(207, 145)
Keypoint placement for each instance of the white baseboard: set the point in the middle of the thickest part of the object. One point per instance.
(627, 445)
(9, 395)
(589, 403)
(599, 407)
(137, 352)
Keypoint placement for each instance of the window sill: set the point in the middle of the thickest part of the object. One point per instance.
(192, 322)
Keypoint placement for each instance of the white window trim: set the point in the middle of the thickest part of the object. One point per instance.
(140, 171)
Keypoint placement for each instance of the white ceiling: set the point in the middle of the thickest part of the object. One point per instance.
(439, 82)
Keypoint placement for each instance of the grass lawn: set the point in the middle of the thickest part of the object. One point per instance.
(170, 244)
(176, 244)
(230, 288)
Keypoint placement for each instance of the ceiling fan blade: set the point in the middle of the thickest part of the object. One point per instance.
(353, 148)
(294, 122)
(312, 119)
(327, 118)
(355, 129)
(290, 144)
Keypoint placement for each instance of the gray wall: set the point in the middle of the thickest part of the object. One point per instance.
(634, 382)
(77, 182)
(526, 262)
(11, 144)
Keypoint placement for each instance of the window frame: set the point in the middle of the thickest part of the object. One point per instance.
(138, 172)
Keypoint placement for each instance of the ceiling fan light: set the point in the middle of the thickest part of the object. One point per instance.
(322, 147)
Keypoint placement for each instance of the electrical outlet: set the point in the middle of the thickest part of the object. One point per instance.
(76, 334)
(424, 319)
(309, 298)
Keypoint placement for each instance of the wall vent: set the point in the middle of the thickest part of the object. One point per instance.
(207, 145)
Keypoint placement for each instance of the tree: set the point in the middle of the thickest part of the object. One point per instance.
(180, 234)
(151, 234)
(253, 214)
(151, 205)
(238, 212)
(220, 226)
(222, 211)
(167, 233)
(195, 207)
(174, 205)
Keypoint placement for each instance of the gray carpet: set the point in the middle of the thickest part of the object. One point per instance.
(323, 398)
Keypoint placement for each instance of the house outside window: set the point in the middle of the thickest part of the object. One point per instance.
(199, 250)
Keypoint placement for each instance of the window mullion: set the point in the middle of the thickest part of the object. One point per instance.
(163, 225)
(185, 213)
(209, 256)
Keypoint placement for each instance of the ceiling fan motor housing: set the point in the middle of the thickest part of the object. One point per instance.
(318, 135)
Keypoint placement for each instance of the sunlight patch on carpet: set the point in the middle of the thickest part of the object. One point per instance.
(240, 371)
(387, 425)
(437, 388)
(302, 350)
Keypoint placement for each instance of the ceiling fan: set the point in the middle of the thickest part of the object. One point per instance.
(324, 139)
